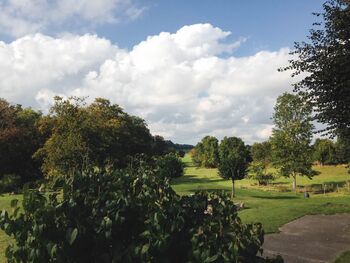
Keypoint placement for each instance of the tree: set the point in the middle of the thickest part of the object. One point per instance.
(206, 152)
(291, 137)
(19, 139)
(233, 160)
(130, 215)
(342, 148)
(326, 61)
(83, 135)
(261, 152)
(257, 171)
(324, 151)
(261, 155)
(170, 165)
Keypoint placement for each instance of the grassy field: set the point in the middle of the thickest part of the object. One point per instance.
(273, 206)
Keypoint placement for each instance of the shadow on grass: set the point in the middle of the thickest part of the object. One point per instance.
(279, 183)
(191, 179)
(282, 197)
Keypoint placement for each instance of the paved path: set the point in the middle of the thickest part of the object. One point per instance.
(311, 239)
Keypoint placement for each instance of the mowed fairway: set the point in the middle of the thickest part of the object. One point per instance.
(271, 207)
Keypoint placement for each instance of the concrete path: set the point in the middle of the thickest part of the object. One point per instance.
(311, 239)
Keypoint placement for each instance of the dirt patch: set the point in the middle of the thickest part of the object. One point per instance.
(311, 239)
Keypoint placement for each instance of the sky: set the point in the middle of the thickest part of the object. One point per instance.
(189, 68)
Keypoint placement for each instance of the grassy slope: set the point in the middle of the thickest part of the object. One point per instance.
(271, 208)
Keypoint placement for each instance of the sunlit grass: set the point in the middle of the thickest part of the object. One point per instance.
(271, 208)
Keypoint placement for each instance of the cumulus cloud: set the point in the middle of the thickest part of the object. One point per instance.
(20, 17)
(181, 82)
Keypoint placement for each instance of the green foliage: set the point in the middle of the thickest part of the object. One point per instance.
(325, 60)
(324, 152)
(261, 152)
(233, 159)
(206, 153)
(291, 137)
(128, 216)
(95, 135)
(19, 139)
(258, 171)
(169, 166)
(10, 183)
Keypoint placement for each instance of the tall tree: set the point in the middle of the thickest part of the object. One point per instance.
(291, 137)
(233, 160)
(325, 59)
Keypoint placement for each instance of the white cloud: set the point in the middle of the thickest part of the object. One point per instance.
(21, 17)
(179, 82)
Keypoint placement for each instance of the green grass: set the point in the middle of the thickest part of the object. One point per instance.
(271, 208)
(343, 258)
(5, 240)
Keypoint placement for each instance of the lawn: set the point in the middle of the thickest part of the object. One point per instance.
(272, 208)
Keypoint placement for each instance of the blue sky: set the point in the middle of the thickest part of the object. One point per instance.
(267, 24)
(189, 68)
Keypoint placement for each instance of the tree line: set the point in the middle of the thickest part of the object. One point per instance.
(289, 148)
(73, 136)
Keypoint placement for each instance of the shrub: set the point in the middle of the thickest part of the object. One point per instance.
(128, 216)
(169, 166)
(10, 183)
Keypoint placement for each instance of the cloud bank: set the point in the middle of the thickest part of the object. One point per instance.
(186, 84)
(21, 17)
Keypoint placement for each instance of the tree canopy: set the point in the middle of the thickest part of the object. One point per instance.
(233, 160)
(325, 59)
(291, 137)
(19, 139)
(98, 134)
(206, 153)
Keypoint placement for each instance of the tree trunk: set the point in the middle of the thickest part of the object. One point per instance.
(233, 189)
(295, 183)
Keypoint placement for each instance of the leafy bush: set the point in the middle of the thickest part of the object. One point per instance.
(128, 216)
(170, 166)
(10, 183)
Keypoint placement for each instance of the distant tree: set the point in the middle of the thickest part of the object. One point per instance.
(342, 148)
(206, 152)
(326, 61)
(159, 146)
(181, 153)
(291, 137)
(324, 151)
(261, 154)
(19, 139)
(196, 154)
(258, 171)
(233, 160)
(169, 166)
